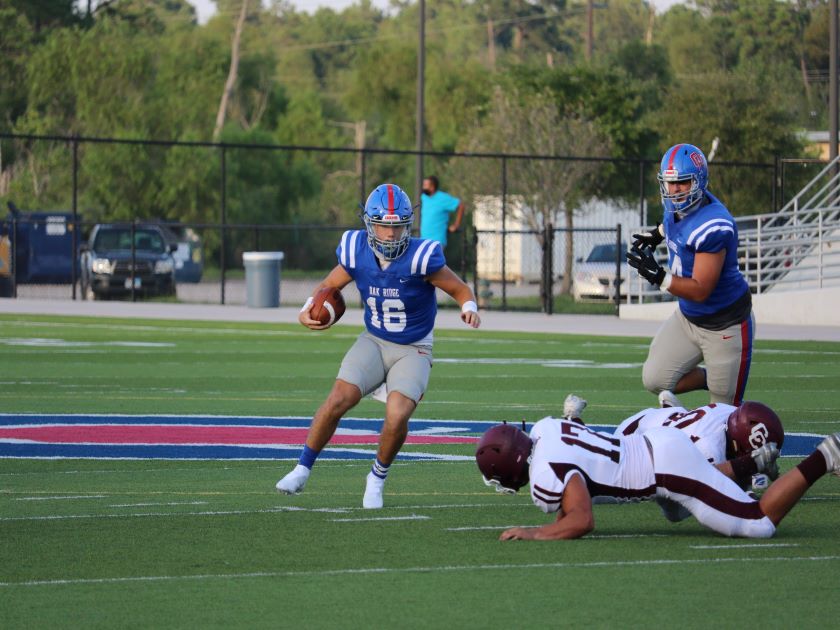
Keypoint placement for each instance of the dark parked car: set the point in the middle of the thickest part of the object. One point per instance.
(109, 266)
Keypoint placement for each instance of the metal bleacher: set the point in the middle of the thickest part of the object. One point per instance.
(797, 247)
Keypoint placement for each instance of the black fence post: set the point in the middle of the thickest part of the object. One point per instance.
(504, 234)
(548, 270)
(642, 220)
(75, 239)
(362, 183)
(776, 163)
(13, 256)
(223, 192)
(464, 252)
(133, 258)
(619, 253)
(475, 267)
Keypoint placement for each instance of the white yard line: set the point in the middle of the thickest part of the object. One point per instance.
(634, 564)
(745, 546)
(58, 498)
(274, 510)
(413, 517)
(121, 505)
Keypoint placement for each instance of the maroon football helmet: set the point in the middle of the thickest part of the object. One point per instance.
(503, 457)
(752, 425)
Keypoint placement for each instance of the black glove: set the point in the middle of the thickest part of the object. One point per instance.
(648, 239)
(643, 261)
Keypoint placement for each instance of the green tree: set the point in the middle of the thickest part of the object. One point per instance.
(763, 128)
(552, 189)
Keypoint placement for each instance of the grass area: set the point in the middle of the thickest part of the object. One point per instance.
(209, 543)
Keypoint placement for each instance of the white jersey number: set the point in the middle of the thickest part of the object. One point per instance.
(393, 314)
(578, 435)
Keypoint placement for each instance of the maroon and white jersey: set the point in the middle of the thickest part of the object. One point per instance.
(706, 426)
(611, 466)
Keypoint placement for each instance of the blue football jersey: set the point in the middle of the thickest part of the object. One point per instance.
(400, 306)
(708, 229)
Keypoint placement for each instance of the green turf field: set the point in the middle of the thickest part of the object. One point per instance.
(209, 543)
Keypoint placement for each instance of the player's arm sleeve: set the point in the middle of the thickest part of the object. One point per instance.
(713, 235)
(348, 249)
(427, 259)
(547, 491)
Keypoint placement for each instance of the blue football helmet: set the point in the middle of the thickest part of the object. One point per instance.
(389, 206)
(683, 162)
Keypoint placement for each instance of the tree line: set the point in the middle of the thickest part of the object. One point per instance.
(520, 76)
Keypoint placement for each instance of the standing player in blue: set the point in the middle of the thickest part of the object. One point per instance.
(396, 276)
(714, 322)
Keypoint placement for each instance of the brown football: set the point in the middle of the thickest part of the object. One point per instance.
(327, 305)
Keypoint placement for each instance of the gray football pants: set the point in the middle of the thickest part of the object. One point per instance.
(372, 361)
(679, 346)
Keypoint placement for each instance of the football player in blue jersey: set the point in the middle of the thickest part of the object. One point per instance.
(396, 276)
(714, 323)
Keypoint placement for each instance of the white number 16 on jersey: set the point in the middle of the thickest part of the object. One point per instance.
(393, 314)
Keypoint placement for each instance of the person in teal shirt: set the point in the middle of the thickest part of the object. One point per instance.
(435, 208)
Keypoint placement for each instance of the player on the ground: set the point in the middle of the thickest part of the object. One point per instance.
(396, 276)
(741, 442)
(714, 322)
(726, 435)
(568, 465)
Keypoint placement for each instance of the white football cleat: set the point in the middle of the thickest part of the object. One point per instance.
(294, 481)
(573, 406)
(373, 492)
(830, 448)
(667, 398)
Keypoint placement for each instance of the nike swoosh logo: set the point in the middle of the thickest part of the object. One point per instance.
(727, 336)
(403, 280)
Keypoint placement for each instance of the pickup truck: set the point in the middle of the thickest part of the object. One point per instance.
(120, 257)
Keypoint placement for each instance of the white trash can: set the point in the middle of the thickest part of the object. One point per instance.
(262, 278)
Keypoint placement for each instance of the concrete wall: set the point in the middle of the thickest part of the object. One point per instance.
(814, 307)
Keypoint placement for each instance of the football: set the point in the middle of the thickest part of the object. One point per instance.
(327, 305)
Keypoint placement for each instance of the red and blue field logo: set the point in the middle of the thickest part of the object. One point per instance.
(238, 437)
(209, 437)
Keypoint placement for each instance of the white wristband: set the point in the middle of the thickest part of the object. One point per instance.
(666, 283)
(469, 307)
(307, 305)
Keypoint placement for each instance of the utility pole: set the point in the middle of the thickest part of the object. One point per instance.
(589, 29)
(421, 87)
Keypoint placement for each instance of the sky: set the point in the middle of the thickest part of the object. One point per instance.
(206, 8)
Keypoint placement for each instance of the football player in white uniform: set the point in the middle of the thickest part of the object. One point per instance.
(742, 442)
(729, 437)
(726, 435)
(569, 464)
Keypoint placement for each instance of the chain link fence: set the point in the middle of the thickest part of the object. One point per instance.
(223, 199)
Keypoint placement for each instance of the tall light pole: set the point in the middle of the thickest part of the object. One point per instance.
(421, 86)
